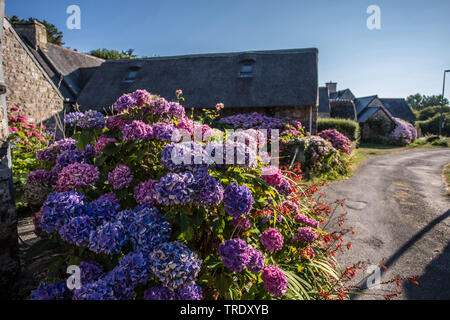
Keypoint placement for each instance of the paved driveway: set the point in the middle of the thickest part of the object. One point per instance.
(398, 206)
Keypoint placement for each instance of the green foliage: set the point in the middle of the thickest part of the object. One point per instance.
(430, 112)
(431, 126)
(53, 34)
(419, 102)
(112, 54)
(349, 128)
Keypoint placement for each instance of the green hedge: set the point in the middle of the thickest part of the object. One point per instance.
(431, 126)
(430, 112)
(349, 128)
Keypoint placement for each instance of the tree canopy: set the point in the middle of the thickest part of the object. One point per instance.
(53, 34)
(108, 54)
(419, 102)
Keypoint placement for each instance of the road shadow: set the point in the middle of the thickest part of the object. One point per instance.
(434, 284)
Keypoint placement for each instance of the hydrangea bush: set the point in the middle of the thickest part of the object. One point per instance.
(404, 132)
(142, 225)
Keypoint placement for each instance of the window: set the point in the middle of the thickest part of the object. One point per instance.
(132, 74)
(246, 69)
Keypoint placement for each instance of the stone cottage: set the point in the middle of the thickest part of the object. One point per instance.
(41, 77)
(279, 83)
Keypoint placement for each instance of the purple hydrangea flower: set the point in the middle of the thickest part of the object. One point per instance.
(73, 117)
(69, 157)
(272, 240)
(272, 175)
(88, 153)
(234, 254)
(90, 271)
(116, 122)
(77, 230)
(120, 177)
(159, 106)
(191, 292)
(238, 200)
(176, 110)
(48, 154)
(208, 190)
(101, 143)
(54, 291)
(59, 208)
(136, 268)
(39, 177)
(291, 206)
(91, 119)
(256, 262)
(174, 188)
(178, 157)
(241, 223)
(174, 264)
(165, 132)
(137, 130)
(108, 238)
(306, 234)
(120, 283)
(159, 293)
(125, 102)
(111, 196)
(66, 144)
(284, 188)
(77, 175)
(275, 281)
(310, 222)
(144, 192)
(141, 98)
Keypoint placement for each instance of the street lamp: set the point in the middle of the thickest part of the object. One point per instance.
(442, 105)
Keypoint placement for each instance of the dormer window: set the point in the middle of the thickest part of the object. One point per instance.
(132, 74)
(247, 67)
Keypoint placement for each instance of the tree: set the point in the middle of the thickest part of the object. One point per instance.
(112, 54)
(53, 34)
(419, 102)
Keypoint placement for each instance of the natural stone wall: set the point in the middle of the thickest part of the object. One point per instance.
(298, 113)
(28, 87)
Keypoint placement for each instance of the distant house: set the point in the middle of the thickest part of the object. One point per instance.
(279, 83)
(336, 104)
(42, 77)
(399, 108)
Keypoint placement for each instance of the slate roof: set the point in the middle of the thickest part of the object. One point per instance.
(367, 113)
(324, 100)
(362, 103)
(342, 94)
(399, 108)
(279, 78)
(342, 108)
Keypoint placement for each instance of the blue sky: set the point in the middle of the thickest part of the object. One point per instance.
(407, 55)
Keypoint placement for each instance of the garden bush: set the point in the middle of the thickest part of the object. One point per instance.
(431, 126)
(142, 225)
(349, 128)
(430, 112)
(26, 139)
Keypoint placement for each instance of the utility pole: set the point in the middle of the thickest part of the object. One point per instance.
(442, 105)
(9, 248)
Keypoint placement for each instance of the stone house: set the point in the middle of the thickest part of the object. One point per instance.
(278, 83)
(42, 78)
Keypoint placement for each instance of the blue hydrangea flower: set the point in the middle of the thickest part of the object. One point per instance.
(72, 118)
(59, 208)
(77, 230)
(256, 262)
(88, 153)
(68, 157)
(174, 264)
(102, 210)
(90, 271)
(174, 188)
(54, 291)
(191, 292)
(121, 284)
(108, 238)
(98, 290)
(136, 267)
(185, 156)
(159, 293)
(148, 228)
(238, 200)
(92, 119)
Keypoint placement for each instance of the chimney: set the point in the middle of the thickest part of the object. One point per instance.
(34, 33)
(332, 86)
